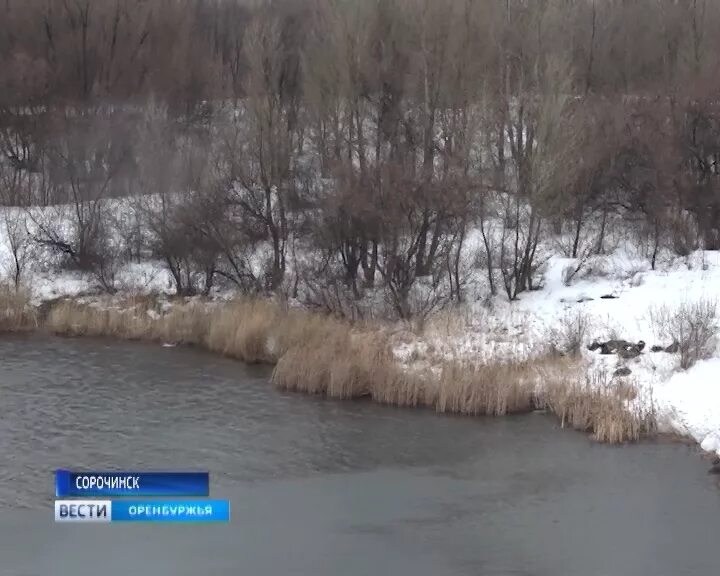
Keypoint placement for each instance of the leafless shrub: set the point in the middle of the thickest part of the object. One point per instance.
(570, 334)
(637, 280)
(692, 326)
(333, 296)
(522, 231)
(684, 234)
(586, 264)
(423, 300)
(176, 237)
(570, 272)
(88, 243)
(109, 252)
(597, 267)
(19, 244)
(408, 294)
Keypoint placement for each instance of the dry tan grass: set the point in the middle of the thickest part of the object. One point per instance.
(254, 331)
(447, 323)
(16, 313)
(348, 364)
(491, 389)
(330, 358)
(74, 319)
(603, 409)
(319, 354)
(243, 330)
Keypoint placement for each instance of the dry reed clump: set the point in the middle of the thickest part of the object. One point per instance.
(184, 323)
(254, 331)
(75, 319)
(600, 408)
(486, 389)
(343, 363)
(261, 331)
(16, 313)
(330, 358)
(339, 361)
(243, 329)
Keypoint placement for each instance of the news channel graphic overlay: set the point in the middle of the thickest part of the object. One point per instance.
(133, 484)
(158, 511)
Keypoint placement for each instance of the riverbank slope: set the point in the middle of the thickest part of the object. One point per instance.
(484, 356)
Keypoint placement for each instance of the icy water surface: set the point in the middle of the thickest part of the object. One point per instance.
(327, 488)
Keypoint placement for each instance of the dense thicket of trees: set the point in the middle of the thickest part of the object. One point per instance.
(369, 137)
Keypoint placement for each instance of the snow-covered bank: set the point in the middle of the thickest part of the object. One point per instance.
(615, 296)
(690, 401)
(687, 402)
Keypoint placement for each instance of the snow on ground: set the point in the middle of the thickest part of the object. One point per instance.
(136, 278)
(691, 402)
(687, 402)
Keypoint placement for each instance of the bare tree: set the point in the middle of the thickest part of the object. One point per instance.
(87, 158)
(264, 140)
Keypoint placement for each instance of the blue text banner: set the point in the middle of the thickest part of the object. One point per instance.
(138, 484)
(178, 511)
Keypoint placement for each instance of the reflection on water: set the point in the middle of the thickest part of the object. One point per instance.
(323, 488)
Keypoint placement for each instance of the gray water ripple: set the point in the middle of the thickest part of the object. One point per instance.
(319, 487)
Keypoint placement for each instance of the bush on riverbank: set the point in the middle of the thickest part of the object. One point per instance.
(319, 354)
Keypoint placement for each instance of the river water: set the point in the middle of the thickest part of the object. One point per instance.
(319, 487)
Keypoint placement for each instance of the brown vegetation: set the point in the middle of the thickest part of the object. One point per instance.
(600, 408)
(16, 313)
(376, 135)
(317, 354)
(492, 390)
(339, 363)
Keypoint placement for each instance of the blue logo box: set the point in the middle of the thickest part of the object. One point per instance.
(155, 511)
